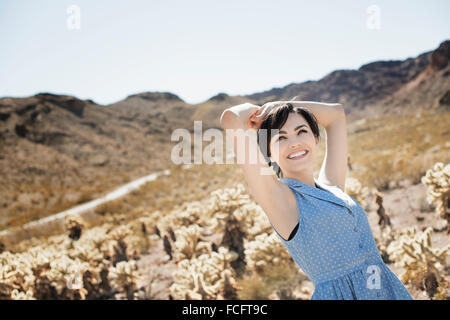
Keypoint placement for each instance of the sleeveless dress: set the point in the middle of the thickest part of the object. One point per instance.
(335, 247)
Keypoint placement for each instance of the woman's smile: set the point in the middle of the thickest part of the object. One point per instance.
(298, 155)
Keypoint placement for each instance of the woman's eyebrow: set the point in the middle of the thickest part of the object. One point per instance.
(302, 125)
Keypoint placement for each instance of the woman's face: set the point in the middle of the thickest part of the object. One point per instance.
(294, 137)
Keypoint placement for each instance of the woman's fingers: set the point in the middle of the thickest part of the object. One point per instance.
(256, 111)
(266, 108)
(261, 111)
(252, 123)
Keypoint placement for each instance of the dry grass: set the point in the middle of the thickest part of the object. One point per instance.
(388, 149)
(58, 186)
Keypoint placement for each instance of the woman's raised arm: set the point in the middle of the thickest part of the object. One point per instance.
(274, 197)
(331, 116)
(325, 113)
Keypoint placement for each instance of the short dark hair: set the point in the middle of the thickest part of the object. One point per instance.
(275, 119)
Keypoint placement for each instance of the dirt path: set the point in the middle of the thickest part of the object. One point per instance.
(55, 222)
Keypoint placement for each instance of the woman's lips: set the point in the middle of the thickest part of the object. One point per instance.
(299, 158)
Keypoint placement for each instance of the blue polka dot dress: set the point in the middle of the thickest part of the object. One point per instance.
(335, 247)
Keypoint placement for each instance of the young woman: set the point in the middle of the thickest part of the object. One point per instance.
(325, 230)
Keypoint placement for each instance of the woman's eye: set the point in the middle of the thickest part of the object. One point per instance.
(285, 138)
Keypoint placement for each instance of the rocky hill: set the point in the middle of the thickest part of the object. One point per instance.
(57, 151)
(396, 85)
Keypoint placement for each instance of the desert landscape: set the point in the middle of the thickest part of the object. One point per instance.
(195, 232)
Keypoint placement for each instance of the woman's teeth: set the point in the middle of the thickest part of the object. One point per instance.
(298, 155)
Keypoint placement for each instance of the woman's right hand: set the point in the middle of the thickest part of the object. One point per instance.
(266, 107)
(254, 122)
(257, 116)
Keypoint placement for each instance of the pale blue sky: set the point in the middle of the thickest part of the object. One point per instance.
(196, 49)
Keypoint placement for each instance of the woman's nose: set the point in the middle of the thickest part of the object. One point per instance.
(295, 145)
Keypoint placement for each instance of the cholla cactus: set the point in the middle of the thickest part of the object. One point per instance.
(124, 277)
(75, 227)
(355, 190)
(20, 295)
(183, 216)
(120, 232)
(189, 244)
(412, 250)
(229, 215)
(384, 240)
(224, 257)
(437, 180)
(88, 254)
(193, 213)
(119, 249)
(15, 274)
(228, 199)
(98, 241)
(234, 204)
(203, 277)
(265, 250)
(254, 219)
(227, 286)
(66, 277)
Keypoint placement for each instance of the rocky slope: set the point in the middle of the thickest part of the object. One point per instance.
(57, 151)
(420, 82)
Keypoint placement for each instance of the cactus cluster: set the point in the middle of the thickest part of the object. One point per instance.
(207, 277)
(355, 189)
(248, 245)
(265, 250)
(413, 251)
(437, 179)
(223, 248)
(94, 264)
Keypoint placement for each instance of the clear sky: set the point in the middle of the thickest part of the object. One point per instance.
(196, 49)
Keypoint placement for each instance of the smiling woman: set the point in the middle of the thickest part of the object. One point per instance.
(325, 230)
(299, 131)
(305, 125)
